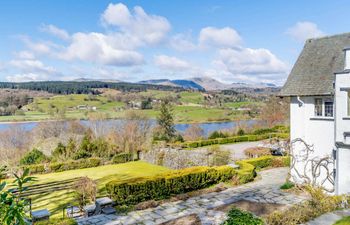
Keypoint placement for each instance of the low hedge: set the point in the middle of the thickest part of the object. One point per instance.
(63, 166)
(57, 221)
(162, 186)
(244, 138)
(122, 158)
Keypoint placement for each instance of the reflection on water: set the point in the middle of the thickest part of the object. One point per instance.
(207, 127)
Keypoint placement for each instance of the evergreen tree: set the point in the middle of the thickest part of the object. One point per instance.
(166, 121)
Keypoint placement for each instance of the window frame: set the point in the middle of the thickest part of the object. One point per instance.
(320, 104)
(316, 107)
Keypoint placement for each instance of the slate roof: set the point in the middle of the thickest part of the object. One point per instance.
(313, 72)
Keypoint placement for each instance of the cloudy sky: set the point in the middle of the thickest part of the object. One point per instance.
(232, 41)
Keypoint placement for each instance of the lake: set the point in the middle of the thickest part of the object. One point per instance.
(207, 127)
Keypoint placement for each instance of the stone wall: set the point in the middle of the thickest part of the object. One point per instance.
(177, 158)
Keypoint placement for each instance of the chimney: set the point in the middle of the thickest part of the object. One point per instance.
(347, 58)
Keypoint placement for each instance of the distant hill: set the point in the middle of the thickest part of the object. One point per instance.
(187, 84)
(210, 84)
(100, 80)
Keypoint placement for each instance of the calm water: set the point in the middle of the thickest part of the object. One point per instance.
(207, 127)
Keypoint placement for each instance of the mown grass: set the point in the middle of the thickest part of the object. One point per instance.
(56, 201)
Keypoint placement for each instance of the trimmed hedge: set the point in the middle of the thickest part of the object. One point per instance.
(201, 143)
(133, 191)
(63, 166)
(122, 158)
(57, 221)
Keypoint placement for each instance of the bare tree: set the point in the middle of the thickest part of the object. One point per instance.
(193, 133)
(276, 110)
(134, 134)
(316, 171)
(13, 144)
(97, 124)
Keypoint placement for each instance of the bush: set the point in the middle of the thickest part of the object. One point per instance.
(63, 166)
(255, 152)
(287, 185)
(239, 217)
(269, 161)
(122, 158)
(137, 190)
(133, 191)
(35, 169)
(320, 203)
(240, 132)
(56, 221)
(217, 134)
(33, 157)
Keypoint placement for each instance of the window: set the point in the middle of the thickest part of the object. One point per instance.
(318, 106)
(328, 108)
(348, 103)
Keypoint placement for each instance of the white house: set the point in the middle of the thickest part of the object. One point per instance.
(319, 88)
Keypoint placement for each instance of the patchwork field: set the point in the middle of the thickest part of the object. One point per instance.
(55, 201)
(190, 108)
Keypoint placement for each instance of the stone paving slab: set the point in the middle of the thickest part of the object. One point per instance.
(329, 218)
(265, 190)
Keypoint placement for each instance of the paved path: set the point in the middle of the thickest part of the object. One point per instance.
(329, 218)
(237, 149)
(264, 190)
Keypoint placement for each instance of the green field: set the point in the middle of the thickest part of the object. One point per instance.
(190, 108)
(58, 200)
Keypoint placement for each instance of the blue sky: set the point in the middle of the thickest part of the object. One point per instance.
(232, 41)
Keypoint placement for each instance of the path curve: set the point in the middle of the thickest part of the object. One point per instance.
(263, 190)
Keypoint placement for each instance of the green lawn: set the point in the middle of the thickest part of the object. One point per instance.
(344, 221)
(57, 200)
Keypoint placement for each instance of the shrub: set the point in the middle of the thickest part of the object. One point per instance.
(255, 152)
(33, 157)
(319, 204)
(217, 134)
(35, 169)
(85, 191)
(137, 190)
(63, 166)
(56, 221)
(287, 185)
(134, 191)
(122, 158)
(240, 132)
(239, 217)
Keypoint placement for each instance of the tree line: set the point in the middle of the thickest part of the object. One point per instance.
(85, 87)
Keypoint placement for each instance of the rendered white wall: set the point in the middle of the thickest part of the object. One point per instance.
(314, 131)
(342, 124)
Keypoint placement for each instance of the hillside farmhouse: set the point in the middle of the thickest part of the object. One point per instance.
(319, 88)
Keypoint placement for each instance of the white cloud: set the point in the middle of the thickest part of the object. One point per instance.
(26, 77)
(39, 47)
(151, 29)
(24, 55)
(171, 63)
(216, 37)
(247, 64)
(182, 42)
(58, 32)
(100, 48)
(304, 30)
(32, 66)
